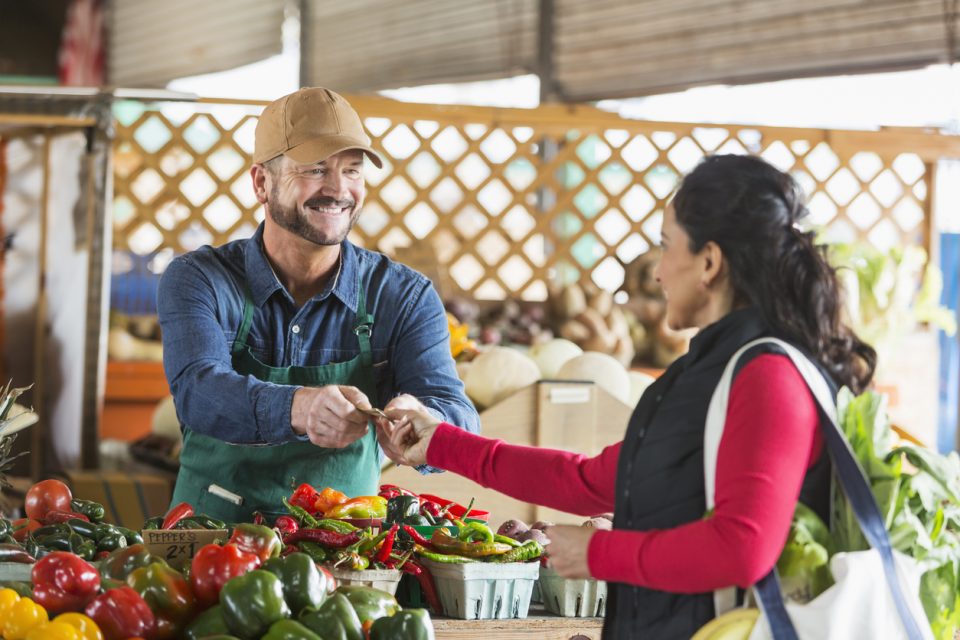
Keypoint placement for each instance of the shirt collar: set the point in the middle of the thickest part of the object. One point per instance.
(263, 281)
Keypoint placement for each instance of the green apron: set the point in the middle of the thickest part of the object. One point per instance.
(231, 481)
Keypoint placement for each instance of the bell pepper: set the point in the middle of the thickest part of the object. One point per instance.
(303, 585)
(253, 602)
(214, 565)
(289, 630)
(120, 563)
(122, 613)
(400, 507)
(409, 624)
(369, 603)
(258, 539)
(64, 582)
(328, 499)
(23, 527)
(176, 514)
(391, 490)
(168, 594)
(52, 631)
(362, 507)
(336, 619)
(8, 598)
(208, 623)
(21, 617)
(86, 628)
(305, 497)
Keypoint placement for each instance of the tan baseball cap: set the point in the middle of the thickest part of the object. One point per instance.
(310, 125)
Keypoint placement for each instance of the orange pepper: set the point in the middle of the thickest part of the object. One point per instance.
(361, 507)
(328, 499)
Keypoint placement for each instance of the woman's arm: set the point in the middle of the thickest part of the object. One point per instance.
(770, 438)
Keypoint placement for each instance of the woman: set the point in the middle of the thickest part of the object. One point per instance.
(734, 265)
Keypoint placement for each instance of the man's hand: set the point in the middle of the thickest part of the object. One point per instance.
(568, 550)
(405, 437)
(328, 415)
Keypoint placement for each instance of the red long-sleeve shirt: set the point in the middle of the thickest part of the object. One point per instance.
(770, 438)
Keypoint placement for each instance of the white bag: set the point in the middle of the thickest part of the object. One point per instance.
(862, 603)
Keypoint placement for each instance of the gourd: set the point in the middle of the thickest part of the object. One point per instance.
(552, 355)
(497, 373)
(603, 370)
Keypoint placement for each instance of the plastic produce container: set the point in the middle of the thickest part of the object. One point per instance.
(383, 579)
(572, 598)
(484, 590)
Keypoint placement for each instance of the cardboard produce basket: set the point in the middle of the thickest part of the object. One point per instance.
(484, 590)
(572, 598)
(383, 579)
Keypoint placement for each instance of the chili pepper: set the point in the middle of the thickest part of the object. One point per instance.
(289, 630)
(353, 560)
(400, 491)
(89, 508)
(506, 540)
(89, 529)
(23, 588)
(312, 549)
(208, 623)
(429, 507)
(153, 523)
(121, 562)
(55, 517)
(444, 558)
(213, 566)
(336, 525)
(111, 542)
(361, 507)
(303, 585)
(121, 613)
(64, 582)
(324, 537)
(21, 617)
(252, 602)
(12, 552)
(529, 550)
(188, 522)
(86, 628)
(415, 536)
(305, 497)
(328, 499)
(168, 594)
(425, 580)
(445, 543)
(473, 531)
(132, 537)
(258, 539)
(387, 545)
(258, 517)
(286, 525)
(301, 514)
(207, 522)
(409, 624)
(176, 514)
(86, 549)
(336, 618)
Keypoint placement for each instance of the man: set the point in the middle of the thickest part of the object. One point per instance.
(271, 343)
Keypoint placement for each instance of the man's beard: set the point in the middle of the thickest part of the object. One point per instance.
(297, 223)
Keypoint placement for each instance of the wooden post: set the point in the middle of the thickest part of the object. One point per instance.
(38, 439)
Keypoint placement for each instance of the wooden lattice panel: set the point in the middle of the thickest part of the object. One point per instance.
(508, 200)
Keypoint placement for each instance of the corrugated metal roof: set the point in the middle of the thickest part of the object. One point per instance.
(366, 45)
(153, 42)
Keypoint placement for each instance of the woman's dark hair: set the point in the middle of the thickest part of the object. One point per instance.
(750, 209)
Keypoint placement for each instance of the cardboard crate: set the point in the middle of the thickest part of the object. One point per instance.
(575, 416)
(129, 499)
(178, 546)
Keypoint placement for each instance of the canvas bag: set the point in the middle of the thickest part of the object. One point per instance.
(876, 591)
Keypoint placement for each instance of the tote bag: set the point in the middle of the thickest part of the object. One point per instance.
(876, 591)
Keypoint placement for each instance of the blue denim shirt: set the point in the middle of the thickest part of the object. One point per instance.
(200, 304)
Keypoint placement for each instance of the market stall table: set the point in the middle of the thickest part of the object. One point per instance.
(539, 624)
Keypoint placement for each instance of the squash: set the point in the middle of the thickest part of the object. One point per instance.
(601, 369)
(497, 373)
(552, 355)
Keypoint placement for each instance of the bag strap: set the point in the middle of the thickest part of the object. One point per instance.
(845, 465)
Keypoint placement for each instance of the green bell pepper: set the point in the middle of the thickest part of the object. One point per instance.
(252, 602)
(370, 604)
(258, 539)
(336, 619)
(208, 623)
(303, 585)
(399, 508)
(121, 563)
(289, 630)
(169, 595)
(409, 624)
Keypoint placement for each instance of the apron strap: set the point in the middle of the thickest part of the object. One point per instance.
(364, 326)
(241, 340)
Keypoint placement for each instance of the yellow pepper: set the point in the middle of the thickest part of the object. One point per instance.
(86, 628)
(8, 598)
(361, 507)
(24, 615)
(53, 631)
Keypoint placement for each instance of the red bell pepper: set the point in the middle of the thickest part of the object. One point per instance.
(63, 581)
(176, 514)
(121, 613)
(168, 595)
(214, 565)
(305, 497)
(257, 539)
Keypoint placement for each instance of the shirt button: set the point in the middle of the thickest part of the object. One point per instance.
(295, 328)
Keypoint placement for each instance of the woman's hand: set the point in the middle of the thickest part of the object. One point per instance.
(405, 437)
(568, 550)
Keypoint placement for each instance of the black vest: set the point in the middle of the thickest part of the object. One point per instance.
(660, 473)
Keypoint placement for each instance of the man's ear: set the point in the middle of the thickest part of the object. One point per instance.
(713, 264)
(258, 173)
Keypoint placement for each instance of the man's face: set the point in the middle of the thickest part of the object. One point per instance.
(318, 202)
